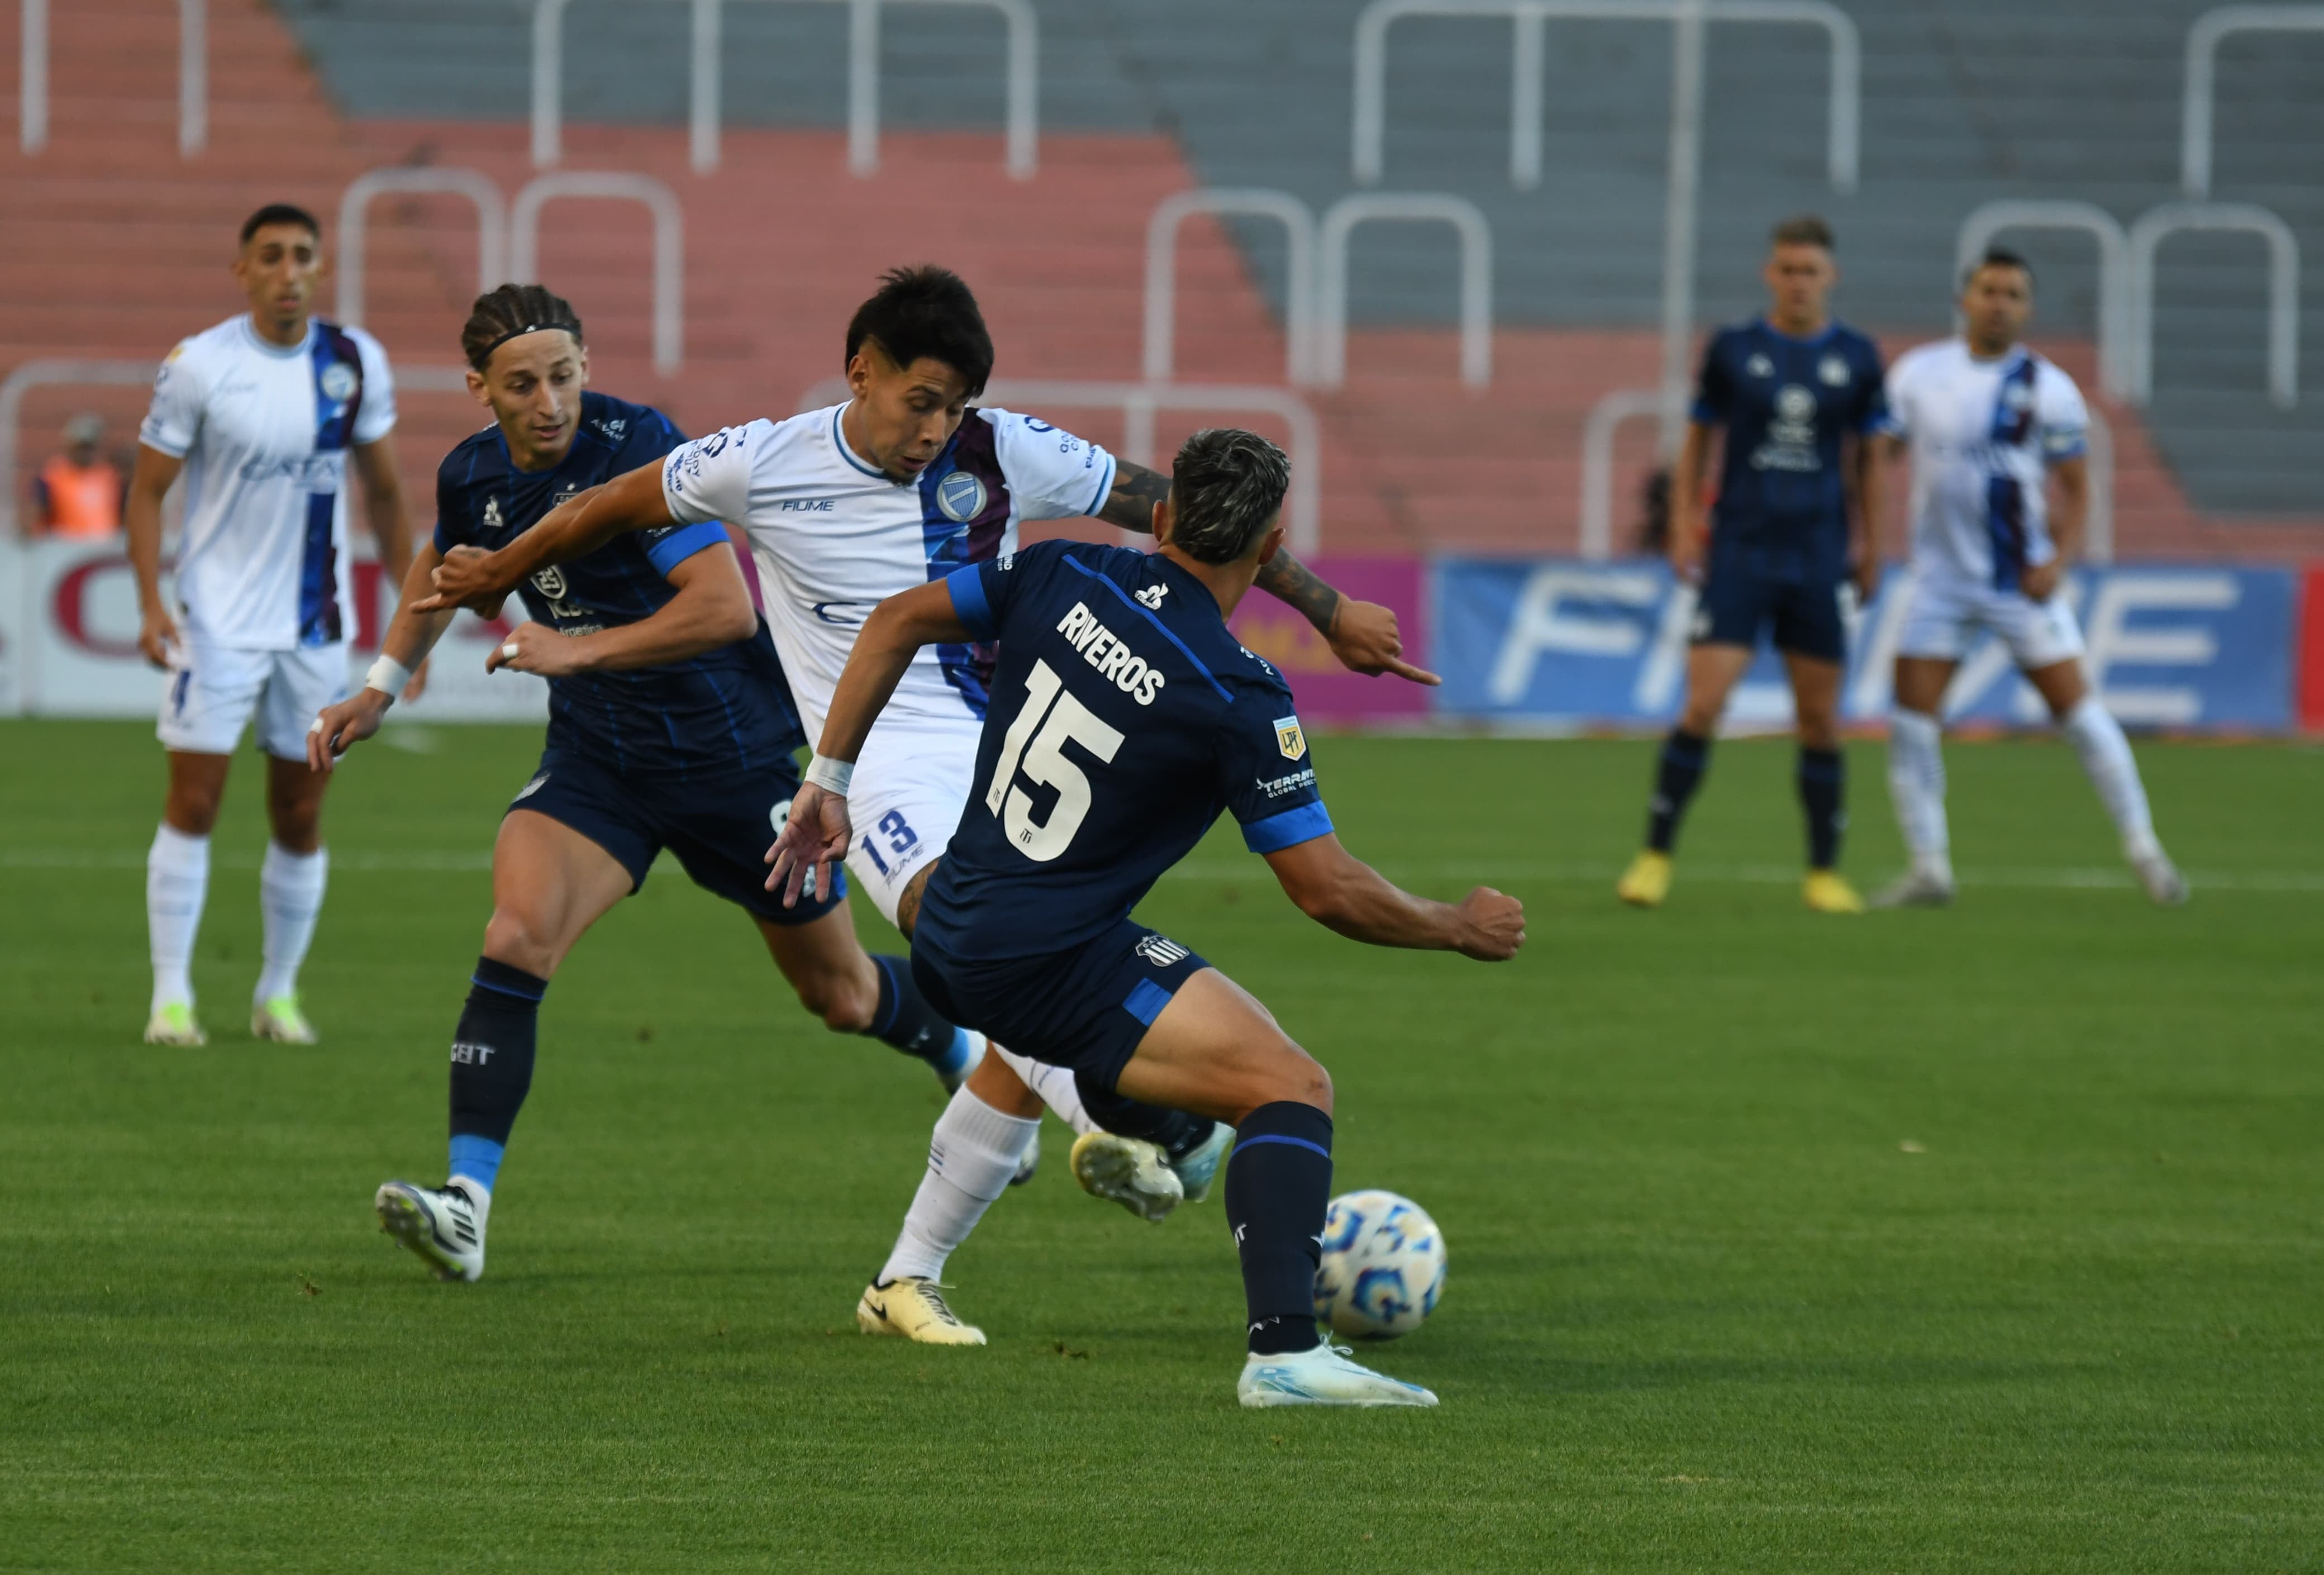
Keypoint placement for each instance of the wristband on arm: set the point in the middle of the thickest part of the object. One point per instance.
(831, 775)
(389, 677)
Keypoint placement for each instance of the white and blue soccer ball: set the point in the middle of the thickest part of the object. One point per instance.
(1383, 1266)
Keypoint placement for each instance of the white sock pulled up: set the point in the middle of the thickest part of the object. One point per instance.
(177, 884)
(2106, 760)
(1054, 1085)
(971, 1156)
(290, 899)
(1916, 787)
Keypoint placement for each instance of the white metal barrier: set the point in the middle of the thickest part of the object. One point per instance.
(1983, 223)
(1023, 76)
(670, 243)
(355, 206)
(1140, 402)
(2283, 289)
(1529, 17)
(1468, 221)
(193, 76)
(2198, 98)
(1608, 415)
(1299, 271)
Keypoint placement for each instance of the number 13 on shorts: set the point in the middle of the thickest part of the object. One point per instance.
(1051, 708)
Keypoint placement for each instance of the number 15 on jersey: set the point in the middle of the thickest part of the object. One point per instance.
(1051, 708)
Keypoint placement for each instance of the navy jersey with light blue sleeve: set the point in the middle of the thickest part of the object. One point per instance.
(724, 711)
(1124, 718)
(1786, 404)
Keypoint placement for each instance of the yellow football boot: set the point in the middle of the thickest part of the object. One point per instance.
(1828, 891)
(916, 1310)
(1647, 882)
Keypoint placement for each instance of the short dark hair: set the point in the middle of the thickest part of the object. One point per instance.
(280, 212)
(1997, 257)
(500, 315)
(926, 311)
(1805, 229)
(1227, 487)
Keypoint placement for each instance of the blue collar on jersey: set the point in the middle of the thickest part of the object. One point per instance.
(839, 441)
(1831, 326)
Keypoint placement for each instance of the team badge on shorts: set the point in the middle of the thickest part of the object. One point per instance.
(1289, 738)
(1161, 950)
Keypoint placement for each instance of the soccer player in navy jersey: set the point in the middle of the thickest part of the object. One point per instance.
(1124, 718)
(671, 726)
(1797, 396)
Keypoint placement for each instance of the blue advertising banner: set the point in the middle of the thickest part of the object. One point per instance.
(1560, 643)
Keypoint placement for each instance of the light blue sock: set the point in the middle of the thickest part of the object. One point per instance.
(477, 1158)
(954, 1062)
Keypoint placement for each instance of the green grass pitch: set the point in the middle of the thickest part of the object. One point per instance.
(1980, 1239)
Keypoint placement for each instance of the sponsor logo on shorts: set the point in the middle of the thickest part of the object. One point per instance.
(1161, 950)
(529, 788)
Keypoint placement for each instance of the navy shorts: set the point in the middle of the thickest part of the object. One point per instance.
(719, 830)
(1738, 602)
(1084, 1007)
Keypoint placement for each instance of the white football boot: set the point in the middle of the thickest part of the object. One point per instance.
(1322, 1377)
(279, 1019)
(1128, 1170)
(2161, 878)
(1922, 886)
(172, 1023)
(444, 1225)
(1199, 1166)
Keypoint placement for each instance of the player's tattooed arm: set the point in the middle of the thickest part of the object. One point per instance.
(1363, 635)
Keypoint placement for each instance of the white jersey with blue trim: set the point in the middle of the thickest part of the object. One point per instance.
(265, 431)
(1984, 433)
(833, 537)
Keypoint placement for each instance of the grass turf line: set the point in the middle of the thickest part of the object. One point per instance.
(1705, 1310)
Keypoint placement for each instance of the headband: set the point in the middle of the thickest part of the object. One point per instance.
(484, 356)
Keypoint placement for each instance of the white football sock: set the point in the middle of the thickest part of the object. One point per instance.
(1057, 1087)
(1917, 786)
(2106, 760)
(177, 881)
(972, 1156)
(290, 897)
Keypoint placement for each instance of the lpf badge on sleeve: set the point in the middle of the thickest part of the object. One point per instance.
(1289, 738)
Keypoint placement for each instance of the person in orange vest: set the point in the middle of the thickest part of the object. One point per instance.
(79, 491)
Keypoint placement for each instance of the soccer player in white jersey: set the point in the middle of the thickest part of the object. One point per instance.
(845, 506)
(261, 414)
(1993, 429)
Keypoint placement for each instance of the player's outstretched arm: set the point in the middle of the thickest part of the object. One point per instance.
(816, 834)
(1341, 892)
(403, 651)
(712, 608)
(472, 577)
(1362, 634)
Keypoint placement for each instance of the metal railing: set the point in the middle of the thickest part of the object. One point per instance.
(2198, 98)
(2283, 289)
(1983, 223)
(1140, 402)
(193, 76)
(862, 79)
(1529, 17)
(1299, 272)
(1596, 538)
(355, 206)
(668, 243)
(1476, 237)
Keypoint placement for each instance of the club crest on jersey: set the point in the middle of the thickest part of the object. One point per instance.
(1289, 738)
(1794, 403)
(961, 497)
(1151, 596)
(1161, 950)
(1759, 366)
(1833, 370)
(550, 582)
(339, 382)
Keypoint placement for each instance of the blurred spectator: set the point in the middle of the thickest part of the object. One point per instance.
(1653, 524)
(79, 492)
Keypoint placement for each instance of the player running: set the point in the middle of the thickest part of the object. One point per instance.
(261, 414)
(669, 726)
(1125, 717)
(1798, 396)
(847, 505)
(1988, 424)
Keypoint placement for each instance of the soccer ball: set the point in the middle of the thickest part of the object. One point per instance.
(1383, 1266)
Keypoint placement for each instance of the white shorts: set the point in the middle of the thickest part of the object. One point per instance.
(1945, 614)
(214, 690)
(911, 783)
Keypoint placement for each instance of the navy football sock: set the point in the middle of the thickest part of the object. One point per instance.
(1278, 1184)
(1823, 786)
(905, 1021)
(1684, 760)
(492, 1054)
(1178, 1133)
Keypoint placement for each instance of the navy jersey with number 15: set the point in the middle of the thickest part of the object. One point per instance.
(1124, 717)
